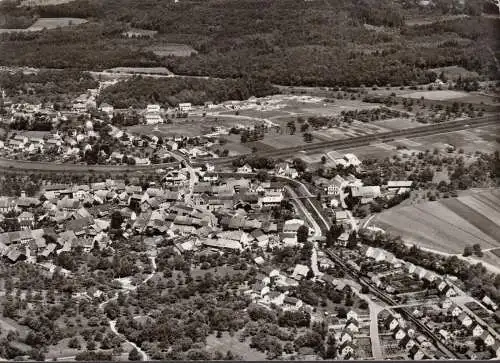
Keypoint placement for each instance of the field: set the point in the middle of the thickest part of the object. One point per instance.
(450, 224)
(52, 23)
(233, 344)
(454, 72)
(177, 50)
(144, 70)
(438, 95)
(44, 2)
(48, 23)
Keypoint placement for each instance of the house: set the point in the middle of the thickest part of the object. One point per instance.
(445, 334)
(346, 350)
(352, 159)
(26, 220)
(477, 330)
(398, 184)
(454, 310)
(284, 170)
(366, 193)
(391, 323)
(172, 145)
(352, 326)
(489, 303)
(416, 353)
(496, 349)
(300, 271)
(336, 185)
(407, 342)
(446, 304)
(153, 108)
(52, 191)
(352, 315)
(343, 239)
(107, 109)
(487, 339)
(153, 118)
(184, 107)
(464, 319)
(245, 169)
(292, 303)
(399, 334)
(223, 244)
(344, 337)
(341, 216)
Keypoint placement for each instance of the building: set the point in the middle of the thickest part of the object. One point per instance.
(336, 185)
(185, 107)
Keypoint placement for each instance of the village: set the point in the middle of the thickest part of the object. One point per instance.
(371, 297)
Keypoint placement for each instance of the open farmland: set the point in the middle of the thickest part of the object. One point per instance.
(171, 49)
(448, 225)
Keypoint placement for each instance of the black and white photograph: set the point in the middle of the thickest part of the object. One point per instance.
(249, 180)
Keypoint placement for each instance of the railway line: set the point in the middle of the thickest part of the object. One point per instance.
(359, 141)
(23, 166)
(391, 303)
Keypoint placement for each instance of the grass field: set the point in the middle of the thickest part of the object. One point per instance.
(172, 49)
(52, 23)
(232, 343)
(448, 225)
(397, 124)
(438, 95)
(145, 70)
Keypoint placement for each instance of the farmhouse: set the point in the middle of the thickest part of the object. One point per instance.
(184, 107)
(336, 185)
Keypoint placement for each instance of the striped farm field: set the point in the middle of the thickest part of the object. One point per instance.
(448, 225)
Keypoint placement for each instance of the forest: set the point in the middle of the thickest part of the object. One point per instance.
(289, 42)
(138, 92)
(47, 85)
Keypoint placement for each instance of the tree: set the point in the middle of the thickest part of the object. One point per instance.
(299, 165)
(477, 250)
(134, 355)
(116, 220)
(302, 234)
(467, 251)
(74, 343)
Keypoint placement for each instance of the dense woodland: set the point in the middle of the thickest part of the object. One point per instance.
(286, 42)
(138, 92)
(46, 85)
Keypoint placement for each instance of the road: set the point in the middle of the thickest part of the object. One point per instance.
(434, 129)
(312, 222)
(193, 177)
(382, 295)
(127, 289)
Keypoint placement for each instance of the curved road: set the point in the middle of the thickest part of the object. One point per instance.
(126, 290)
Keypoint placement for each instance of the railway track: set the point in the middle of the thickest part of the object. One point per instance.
(420, 131)
(389, 301)
(22, 166)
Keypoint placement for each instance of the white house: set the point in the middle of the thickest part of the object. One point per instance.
(107, 109)
(153, 118)
(185, 107)
(477, 330)
(336, 185)
(245, 169)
